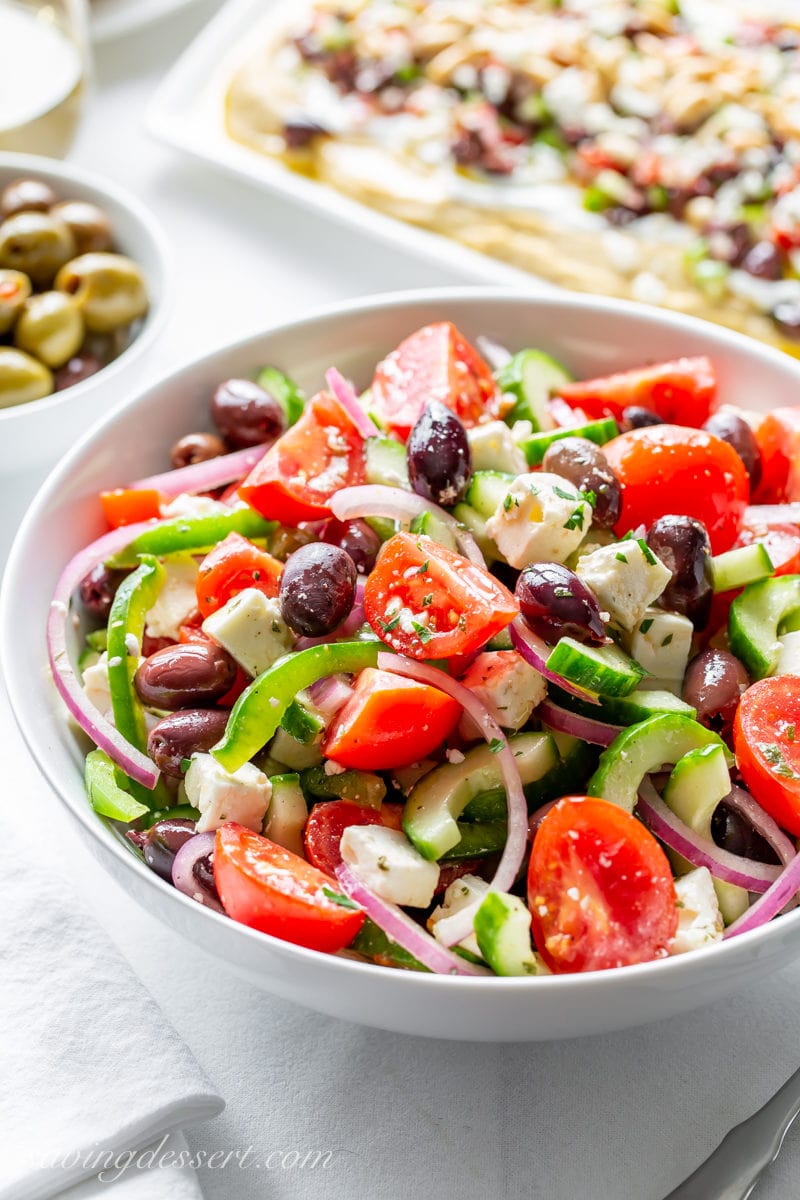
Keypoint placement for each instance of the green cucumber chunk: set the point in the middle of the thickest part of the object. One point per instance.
(183, 812)
(287, 813)
(301, 723)
(535, 447)
(736, 568)
(637, 706)
(284, 390)
(293, 754)
(431, 526)
(478, 839)
(756, 618)
(503, 933)
(532, 377)
(385, 462)
(98, 640)
(487, 491)
(602, 669)
(475, 524)
(362, 787)
(575, 761)
(373, 943)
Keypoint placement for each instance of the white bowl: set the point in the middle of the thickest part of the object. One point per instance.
(34, 436)
(592, 336)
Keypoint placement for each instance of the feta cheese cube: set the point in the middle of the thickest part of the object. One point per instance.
(626, 577)
(97, 688)
(661, 643)
(699, 918)
(542, 518)
(493, 448)
(176, 601)
(508, 686)
(385, 861)
(466, 892)
(250, 627)
(789, 659)
(189, 506)
(221, 796)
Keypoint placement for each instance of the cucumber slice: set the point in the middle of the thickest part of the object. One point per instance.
(637, 706)
(736, 568)
(87, 658)
(182, 812)
(500, 641)
(643, 748)
(284, 390)
(487, 491)
(290, 753)
(575, 762)
(600, 432)
(434, 527)
(385, 462)
(603, 669)
(287, 813)
(98, 640)
(301, 723)
(373, 943)
(503, 931)
(478, 839)
(383, 526)
(475, 524)
(755, 620)
(532, 377)
(362, 787)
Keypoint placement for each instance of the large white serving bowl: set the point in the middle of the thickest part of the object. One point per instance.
(591, 336)
(34, 436)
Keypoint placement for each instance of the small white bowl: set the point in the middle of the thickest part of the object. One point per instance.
(34, 436)
(592, 336)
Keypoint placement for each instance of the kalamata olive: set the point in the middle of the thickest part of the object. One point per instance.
(203, 871)
(584, 465)
(682, 545)
(556, 603)
(357, 539)
(196, 448)
(764, 261)
(246, 414)
(81, 367)
(733, 833)
(285, 539)
(90, 226)
(713, 684)
(300, 132)
(192, 674)
(786, 316)
(439, 458)
(731, 428)
(317, 589)
(636, 417)
(182, 734)
(98, 589)
(162, 842)
(26, 195)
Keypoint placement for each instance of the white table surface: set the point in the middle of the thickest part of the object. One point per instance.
(621, 1117)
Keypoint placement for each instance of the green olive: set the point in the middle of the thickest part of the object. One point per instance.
(37, 244)
(50, 327)
(22, 378)
(26, 195)
(14, 291)
(109, 289)
(90, 226)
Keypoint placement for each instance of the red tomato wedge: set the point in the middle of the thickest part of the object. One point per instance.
(671, 469)
(766, 741)
(299, 474)
(428, 602)
(778, 437)
(233, 565)
(268, 888)
(327, 822)
(435, 363)
(126, 506)
(600, 889)
(390, 721)
(781, 541)
(681, 391)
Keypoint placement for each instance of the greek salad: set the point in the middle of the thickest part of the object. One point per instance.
(487, 670)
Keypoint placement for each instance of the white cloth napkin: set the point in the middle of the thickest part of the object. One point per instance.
(88, 1063)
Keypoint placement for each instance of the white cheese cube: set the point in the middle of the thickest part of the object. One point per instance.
(626, 577)
(176, 601)
(699, 918)
(542, 518)
(385, 861)
(661, 643)
(221, 796)
(189, 506)
(508, 686)
(494, 448)
(97, 689)
(250, 627)
(789, 659)
(466, 892)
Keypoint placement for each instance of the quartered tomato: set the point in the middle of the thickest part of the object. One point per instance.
(233, 565)
(766, 741)
(127, 506)
(778, 437)
(435, 363)
(428, 602)
(781, 541)
(327, 822)
(600, 889)
(299, 474)
(390, 721)
(268, 888)
(671, 469)
(680, 391)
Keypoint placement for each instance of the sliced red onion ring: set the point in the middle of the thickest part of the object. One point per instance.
(765, 825)
(132, 761)
(197, 847)
(597, 733)
(517, 836)
(776, 897)
(346, 394)
(536, 652)
(773, 514)
(699, 851)
(496, 355)
(397, 925)
(377, 500)
(329, 695)
(204, 476)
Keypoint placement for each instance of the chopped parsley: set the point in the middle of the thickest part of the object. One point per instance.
(620, 557)
(382, 863)
(774, 756)
(647, 552)
(427, 600)
(424, 567)
(388, 626)
(667, 640)
(590, 497)
(789, 731)
(185, 764)
(509, 500)
(577, 519)
(562, 593)
(557, 491)
(648, 621)
(422, 633)
(496, 745)
(338, 898)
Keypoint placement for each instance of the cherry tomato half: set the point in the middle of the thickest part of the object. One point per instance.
(766, 741)
(680, 391)
(427, 602)
(233, 565)
(671, 469)
(778, 438)
(268, 888)
(600, 890)
(327, 822)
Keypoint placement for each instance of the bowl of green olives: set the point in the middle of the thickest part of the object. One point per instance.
(83, 280)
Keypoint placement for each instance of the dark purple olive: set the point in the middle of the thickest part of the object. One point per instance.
(556, 603)
(357, 539)
(193, 675)
(636, 417)
(764, 261)
(162, 841)
(729, 243)
(439, 458)
(713, 684)
(203, 872)
(26, 195)
(196, 448)
(98, 589)
(584, 465)
(299, 132)
(786, 316)
(731, 428)
(682, 545)
(318, 587)
(81, 367)
(733, 833)
(245, 414)
(180, 735)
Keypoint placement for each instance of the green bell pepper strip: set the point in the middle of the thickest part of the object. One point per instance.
(284, 390)
(259, 710)
(105, 794)
(191, 533)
